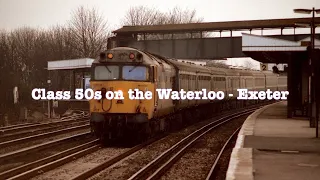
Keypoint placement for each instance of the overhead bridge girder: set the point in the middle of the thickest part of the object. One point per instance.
(195, 48)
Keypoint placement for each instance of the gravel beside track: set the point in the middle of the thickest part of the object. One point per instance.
(224, 161)
(197, 161)
(80, 165)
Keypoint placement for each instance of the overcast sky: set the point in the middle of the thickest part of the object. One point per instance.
(45, 13)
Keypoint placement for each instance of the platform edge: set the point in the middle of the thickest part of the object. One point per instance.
(241, 163)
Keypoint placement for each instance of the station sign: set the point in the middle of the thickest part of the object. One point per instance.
(263, 67)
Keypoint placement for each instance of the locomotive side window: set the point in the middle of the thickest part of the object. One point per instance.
(106, 72)
(135, 73)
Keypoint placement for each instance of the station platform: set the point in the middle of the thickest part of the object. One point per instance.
(271, 146)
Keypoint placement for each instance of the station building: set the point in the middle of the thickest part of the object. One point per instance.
(69, 75)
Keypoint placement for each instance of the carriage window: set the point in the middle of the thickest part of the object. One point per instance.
(135, 73)
(106, 72)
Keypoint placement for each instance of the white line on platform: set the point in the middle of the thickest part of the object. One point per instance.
(309, 165)
(290, 151)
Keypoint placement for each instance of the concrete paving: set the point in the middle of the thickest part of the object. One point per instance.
(270, 146)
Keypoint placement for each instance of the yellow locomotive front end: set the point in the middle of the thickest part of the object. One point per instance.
(117, 113)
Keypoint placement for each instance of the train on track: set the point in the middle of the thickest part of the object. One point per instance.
(124, 68)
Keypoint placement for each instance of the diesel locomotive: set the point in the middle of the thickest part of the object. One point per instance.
(125, 68)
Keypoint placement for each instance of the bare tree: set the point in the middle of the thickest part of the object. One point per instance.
(60, 42)
(218, 64)
(24, 53)
(20, 64)
(181, 16)
(141, 15)
(89, 32)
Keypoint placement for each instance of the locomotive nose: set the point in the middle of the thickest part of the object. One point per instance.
(103, 92)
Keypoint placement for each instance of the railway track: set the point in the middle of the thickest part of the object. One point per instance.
(142, 174)
(15, 126)
(214, 167)
(40, 136)
(14, 161)
(45, 154)
(37, 126)
(158, 167)
(114, 160)
(45, 164)
(32, 169)
(18, 140)
(40, 166)
(78, 113)
(24, 134)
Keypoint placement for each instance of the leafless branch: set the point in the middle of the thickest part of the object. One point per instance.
(89, 32)
(141, 15)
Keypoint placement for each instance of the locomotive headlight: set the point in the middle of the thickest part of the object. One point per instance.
(110, 56)
(131, 56)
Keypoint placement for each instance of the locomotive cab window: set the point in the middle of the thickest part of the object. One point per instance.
(140, 73)
(106, 72)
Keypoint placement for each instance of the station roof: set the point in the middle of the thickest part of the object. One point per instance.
(252, 42)
(70, 64)
(217, 26)
(273, 50)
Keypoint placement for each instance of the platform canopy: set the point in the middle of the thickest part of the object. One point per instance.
(70, 64)
(273, 50)
(217, 26)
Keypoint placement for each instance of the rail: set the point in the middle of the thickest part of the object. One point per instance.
(181, 147)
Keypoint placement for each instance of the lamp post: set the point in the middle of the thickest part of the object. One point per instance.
(49, 107)
(311, 61)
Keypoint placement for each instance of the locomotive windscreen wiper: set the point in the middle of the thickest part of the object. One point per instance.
(108, 69)
(132, 68)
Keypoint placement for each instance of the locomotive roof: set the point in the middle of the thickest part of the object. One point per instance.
(189, 67)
